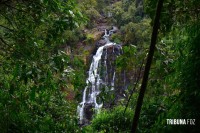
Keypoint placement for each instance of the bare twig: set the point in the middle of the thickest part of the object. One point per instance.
(137, 81)
(9, 21)
(2, 40)
(6, 28)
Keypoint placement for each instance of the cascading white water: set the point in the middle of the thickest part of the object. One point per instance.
(93, 81)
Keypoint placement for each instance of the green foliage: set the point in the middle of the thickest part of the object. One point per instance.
(78, 78)
(123, 12)
(137, 33)
(152, 108)
(89, 39)
(173, 78)
(35, 110)
(71, 37)
(173, 12)
(34, 72)
(36, 77)
(88, 8)
(127, 59)
(101, 4)
(117, 38)
(112, 121)
(116, 12)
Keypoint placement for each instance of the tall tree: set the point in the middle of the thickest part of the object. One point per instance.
(147, 66)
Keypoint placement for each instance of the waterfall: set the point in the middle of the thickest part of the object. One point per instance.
(95, 81)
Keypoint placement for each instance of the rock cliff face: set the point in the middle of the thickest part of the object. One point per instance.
(104, 86)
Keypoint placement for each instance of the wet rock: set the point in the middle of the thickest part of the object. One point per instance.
(118, 50)
(101, 20)
(101, 43)
(88, 111)
(115, 29)
(103, 28)
(113, 49)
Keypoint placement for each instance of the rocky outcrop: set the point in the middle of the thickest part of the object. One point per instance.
(100, 43)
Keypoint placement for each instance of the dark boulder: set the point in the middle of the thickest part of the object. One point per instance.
(88, 110)
(101, 43)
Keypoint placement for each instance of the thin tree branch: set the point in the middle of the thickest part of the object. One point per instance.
(6, 28)
(9, 21)
(147, 66)
(2, 40)
(4, 47)
(13, 7)
(137, 81)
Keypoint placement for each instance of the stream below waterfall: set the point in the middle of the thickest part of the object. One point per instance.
(101, 74)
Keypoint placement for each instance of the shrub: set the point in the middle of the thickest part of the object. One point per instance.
(113, 121)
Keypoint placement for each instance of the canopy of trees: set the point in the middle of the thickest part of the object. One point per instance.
(41, 82)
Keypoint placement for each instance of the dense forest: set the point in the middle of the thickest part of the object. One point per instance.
(99, 66)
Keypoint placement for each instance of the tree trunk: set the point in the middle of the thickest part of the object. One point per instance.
(147, 66)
